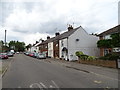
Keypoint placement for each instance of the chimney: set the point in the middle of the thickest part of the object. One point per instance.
(48, 37)
(42, 40)
(70, 27)
(57, 33)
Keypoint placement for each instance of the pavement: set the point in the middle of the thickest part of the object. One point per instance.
(4, 65)
(28, 72)
(98, 70)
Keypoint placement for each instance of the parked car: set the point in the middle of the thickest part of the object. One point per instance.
(26, 53)
(31, 54)
(10, 54)
(3, 56)
(17, 52)
(41, 56)
(35, 55)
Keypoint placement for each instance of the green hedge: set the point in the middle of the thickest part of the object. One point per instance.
(112, 56)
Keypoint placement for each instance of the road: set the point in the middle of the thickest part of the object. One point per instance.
(28, 72)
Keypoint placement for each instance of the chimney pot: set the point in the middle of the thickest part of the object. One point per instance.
(42, 40)
(48, 37)
(57, 33)
(70, 27)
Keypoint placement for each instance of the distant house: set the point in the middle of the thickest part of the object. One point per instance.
(66, 44)
(106, 35)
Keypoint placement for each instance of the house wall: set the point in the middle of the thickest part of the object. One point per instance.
(62, 44)
(44, 49)
(33, 48)
(104, 51)
(56, 49)
(50, 49)
(86, 44)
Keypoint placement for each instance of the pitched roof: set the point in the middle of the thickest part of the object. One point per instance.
(115, 29)
(61, 36)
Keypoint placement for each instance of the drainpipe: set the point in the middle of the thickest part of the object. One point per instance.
(68, 50)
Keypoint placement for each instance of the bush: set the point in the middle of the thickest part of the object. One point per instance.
(84, 57)
(112, 56)
(79, 53)
(91, 58)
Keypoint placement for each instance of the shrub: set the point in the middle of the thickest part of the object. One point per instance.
(79, 53)
(111, 56)
(84, 57)
(91, 58)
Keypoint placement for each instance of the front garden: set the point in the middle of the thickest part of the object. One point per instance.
(107, 61)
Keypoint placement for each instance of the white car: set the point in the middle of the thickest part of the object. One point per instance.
(41, 56)
(17, 52)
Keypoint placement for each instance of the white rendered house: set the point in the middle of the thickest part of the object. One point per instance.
(77, 40)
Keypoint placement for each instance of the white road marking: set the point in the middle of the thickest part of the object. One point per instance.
(19, 87)
(42, 85)
(98, 82)
(55, 84)
(51, 86)
(31, 86)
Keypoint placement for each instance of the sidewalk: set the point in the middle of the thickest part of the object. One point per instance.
(96, 70)
(5, 65)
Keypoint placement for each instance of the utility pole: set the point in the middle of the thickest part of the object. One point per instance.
(5, 37)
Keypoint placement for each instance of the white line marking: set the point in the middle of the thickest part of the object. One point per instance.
(51, 86)
(42, 85)
(55, 84)
(19, 87)
(31, 86)
(98, 82)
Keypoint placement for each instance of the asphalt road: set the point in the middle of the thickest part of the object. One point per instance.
(28, 72)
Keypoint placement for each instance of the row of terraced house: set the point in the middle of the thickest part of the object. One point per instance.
(74, 39)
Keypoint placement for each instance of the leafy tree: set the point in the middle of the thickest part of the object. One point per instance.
(17, 46)
(104, 43)
(115, 40)
(110, 43)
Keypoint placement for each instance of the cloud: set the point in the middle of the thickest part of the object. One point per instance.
(32, 19)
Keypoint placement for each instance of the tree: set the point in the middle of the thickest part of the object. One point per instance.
(115, 39)
(104, 43)
(17, 46)
(110, 43)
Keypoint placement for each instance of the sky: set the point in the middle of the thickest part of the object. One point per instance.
(31, 20)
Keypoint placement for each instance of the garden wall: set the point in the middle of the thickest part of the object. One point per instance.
(105, 63)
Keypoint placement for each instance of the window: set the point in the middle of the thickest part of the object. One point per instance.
(49, 45)
(45, 46)
(107, 37)
(77, 40)
(56, 45)
(62, 43)
(106, 51)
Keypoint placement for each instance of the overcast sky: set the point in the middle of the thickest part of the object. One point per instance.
(30, 20)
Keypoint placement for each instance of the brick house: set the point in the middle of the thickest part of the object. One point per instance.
(106, 35)
(43, 47)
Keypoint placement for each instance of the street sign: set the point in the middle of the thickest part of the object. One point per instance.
(118, 62)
